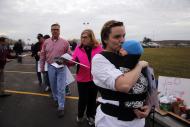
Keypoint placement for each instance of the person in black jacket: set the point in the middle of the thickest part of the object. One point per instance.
(35, 53)
(5, 57)
(18, 48)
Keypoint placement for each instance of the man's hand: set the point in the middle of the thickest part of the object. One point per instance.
(142, 112)
(65, 61)
(61, 60)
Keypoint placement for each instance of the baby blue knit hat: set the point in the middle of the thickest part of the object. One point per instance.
(133, 47)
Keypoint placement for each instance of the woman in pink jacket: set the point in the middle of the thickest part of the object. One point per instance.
(87, 90)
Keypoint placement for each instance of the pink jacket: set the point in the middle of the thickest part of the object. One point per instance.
(79, 55)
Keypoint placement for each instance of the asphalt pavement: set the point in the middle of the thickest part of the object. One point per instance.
(29, 105)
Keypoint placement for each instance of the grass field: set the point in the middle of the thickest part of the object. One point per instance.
(172, 62)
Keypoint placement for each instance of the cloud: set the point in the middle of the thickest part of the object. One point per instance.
(153, 18)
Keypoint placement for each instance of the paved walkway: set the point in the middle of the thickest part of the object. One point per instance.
(29, 106)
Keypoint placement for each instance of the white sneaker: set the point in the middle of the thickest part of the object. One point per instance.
(90, 120)
(47, 89)
(80, 120)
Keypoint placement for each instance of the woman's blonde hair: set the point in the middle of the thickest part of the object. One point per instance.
(90, 33)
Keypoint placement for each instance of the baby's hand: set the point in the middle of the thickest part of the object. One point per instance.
(122, 52)
(143, 63)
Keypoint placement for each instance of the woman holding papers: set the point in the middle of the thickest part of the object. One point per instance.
(87, 90)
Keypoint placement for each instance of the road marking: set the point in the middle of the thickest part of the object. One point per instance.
(38, 94)
(24, 72)
(20, 72)
(29, 93)
(26, 64)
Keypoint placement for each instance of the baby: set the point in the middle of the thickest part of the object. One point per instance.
(131, 52)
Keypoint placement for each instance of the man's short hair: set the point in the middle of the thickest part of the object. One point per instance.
(46, 36)
(55, 24)
(39, 36)
(106, 30)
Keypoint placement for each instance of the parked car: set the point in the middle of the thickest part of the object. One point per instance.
(182, 45)
(27, 48)
(153, 45)
(144, 45)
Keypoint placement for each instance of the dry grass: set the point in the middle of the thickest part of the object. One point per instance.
(173, 62)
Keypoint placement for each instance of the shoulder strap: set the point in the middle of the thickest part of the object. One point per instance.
(114, 58)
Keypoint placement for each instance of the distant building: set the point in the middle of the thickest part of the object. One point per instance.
(173, 43)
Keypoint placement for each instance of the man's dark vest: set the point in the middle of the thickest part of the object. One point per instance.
(122, 112)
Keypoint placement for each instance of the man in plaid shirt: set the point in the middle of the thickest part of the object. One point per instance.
(52, 48)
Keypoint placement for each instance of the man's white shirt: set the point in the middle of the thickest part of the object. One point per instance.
(104, 75)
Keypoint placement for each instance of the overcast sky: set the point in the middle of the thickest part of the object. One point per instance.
(157, 19)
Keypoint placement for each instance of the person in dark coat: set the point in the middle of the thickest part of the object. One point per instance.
(18, 48)
(35, 53)
(5, 57)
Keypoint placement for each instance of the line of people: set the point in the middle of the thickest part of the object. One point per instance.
(117, 75)
(55, 47)
(113, 69)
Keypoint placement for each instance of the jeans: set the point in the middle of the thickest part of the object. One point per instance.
(57, 78)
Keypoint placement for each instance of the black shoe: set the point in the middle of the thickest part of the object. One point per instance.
(5, 94)
(60, 113)
(40, 84)
(68, 93)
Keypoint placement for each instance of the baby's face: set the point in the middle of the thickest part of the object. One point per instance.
(123, 52)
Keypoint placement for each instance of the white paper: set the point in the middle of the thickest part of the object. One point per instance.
(172, 86)
(46, 66)
(69, 57)
(69, 77)
(57, 65)
(38, 67)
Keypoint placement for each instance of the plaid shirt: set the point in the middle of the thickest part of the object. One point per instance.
(52, 49)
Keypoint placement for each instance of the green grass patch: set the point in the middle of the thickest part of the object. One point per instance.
(173, 62)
